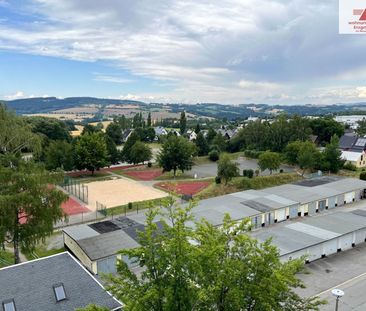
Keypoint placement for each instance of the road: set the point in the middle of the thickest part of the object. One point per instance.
(346, 271)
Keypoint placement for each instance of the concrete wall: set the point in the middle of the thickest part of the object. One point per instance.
(79, 253)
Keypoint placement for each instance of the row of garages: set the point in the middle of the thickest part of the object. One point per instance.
(317, 237)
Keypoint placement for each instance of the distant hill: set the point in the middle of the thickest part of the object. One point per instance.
(215, 110)
(47, 104)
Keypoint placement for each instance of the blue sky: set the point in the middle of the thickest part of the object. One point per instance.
(228, 51)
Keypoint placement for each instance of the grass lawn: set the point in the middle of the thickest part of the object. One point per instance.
(96, 177)
(42, 251)
(244, 183)
(169, 176)
(6, 258)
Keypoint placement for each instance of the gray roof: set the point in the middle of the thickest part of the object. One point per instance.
(107, 244)
(311, 231)
(31, 284)
(347, 141)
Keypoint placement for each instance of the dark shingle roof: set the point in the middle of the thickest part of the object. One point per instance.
(31, 285)
(347, 141)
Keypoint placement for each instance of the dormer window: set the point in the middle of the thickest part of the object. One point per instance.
(9, 305)
(59, 291)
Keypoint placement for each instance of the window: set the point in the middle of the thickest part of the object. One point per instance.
(9, 305)
(59, 292)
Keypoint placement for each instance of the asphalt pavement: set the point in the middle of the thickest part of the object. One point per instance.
(346, 271)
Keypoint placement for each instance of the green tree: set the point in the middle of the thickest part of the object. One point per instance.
(180, 275)
(15, 136)
(331, 155)
(361, 127)
(114, 155)
(148, 123)
(114, 131)
(269, 160)
(292, 151)
(197, 129)
(51, 128)
(182, 123)
(89, 129)
(325, 128)
(29, 207)
(132, 139)
(202, 145)
(220, 142)
(140, 153)
(309, 156)
(59, 154)
(91, 152)
(226, 169)
(210, 135)
(176, 154)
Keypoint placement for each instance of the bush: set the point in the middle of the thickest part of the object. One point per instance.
(217, 180)
(214, 155)
(129, 205)
(363, 176)
(349, 166)
(149, 164)
(254, 154)
(248, 173)
(257, 172)
(265, 181)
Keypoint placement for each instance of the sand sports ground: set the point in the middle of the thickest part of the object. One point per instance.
(121, 191)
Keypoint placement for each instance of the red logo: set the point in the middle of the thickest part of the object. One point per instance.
(361, 12)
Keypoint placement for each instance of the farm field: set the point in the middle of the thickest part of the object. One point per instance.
(187, 188)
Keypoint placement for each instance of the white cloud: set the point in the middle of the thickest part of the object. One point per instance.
(17, 95)
(275, 48)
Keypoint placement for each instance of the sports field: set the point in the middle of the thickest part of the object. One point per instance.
(117, 192)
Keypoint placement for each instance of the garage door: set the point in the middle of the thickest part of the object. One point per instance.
(321, 205)
(332, 202)
(315, 252)
(348, 197)
(256, 221)
(340, 200)
(330, 247)
(345, 242)
(293, 211)
(312, 208)
(107, 265)
(360, 236)
(280, 215)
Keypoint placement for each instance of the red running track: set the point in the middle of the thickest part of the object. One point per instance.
(187, 188)
(73, 207)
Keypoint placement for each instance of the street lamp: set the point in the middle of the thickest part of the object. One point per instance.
(338, 293)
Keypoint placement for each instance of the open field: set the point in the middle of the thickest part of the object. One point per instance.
(117, 192)
(187, 188)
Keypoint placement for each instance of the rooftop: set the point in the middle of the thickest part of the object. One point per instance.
(35, 285)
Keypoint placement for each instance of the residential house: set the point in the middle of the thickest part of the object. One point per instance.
(192, 135)
(355, 158)
(126, 134)
(56, 283)
(160, 131)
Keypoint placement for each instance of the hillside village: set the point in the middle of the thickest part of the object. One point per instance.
(303, 190)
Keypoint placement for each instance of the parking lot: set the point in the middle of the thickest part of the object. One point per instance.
(346, 271)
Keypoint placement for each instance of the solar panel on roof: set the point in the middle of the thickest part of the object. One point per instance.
(104, 227)
(361, 142)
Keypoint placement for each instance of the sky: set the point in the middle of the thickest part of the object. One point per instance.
(224, 51)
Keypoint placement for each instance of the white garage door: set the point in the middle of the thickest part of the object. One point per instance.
(281, 215)
(330, 247)
(345, 242)
(348, 197)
